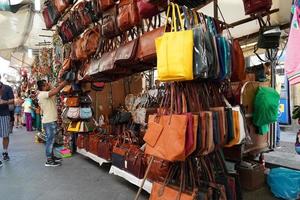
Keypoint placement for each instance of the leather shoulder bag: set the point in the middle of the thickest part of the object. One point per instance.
(128, 15)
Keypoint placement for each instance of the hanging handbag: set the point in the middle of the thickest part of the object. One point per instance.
(85, 99)
(72, 102)
(93, 143)
(148, 9)
(50, 14)
(255, 6)
(109, 23)
(65, 31)
(159, 170)
(61, 5)
(86, 113)
(91, 39)
(106, 4)
(222, 125)
(74, 127)
(269, 37)
(146, 51)
(125, 55)
(73, 113)
(128, 15)
(84, 13)
(238, 62)
(167, 47)
(80, 141)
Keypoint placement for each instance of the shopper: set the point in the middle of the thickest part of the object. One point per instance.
(27, 106)
(6, 98)
(47, 102)
(18, 110)
(11, 108)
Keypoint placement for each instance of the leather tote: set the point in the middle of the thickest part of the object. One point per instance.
(73, 113)
(93, 143)
(255, 6)
(128, 15)
(238, 62)
(109, 23)
(86, 113)
(105, 148)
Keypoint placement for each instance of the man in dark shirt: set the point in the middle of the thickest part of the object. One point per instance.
(6, 98)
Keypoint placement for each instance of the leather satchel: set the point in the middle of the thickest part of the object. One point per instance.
(93, 143)
(255, 6)
(128, 15)
(105, 148)
(109, 23)
(125, 55)
(159, 170)
(146, 51)
(84, 13)
(135, 162)
(118, 154)
(65, 31)
(73, 113)
(72, 102)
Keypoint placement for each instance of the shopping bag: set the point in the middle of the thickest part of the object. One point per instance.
(174, 64)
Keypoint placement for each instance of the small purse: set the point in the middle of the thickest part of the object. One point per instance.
(85, 99)
(72, 101)
(73, 113)
(86, 113)
(74, 127)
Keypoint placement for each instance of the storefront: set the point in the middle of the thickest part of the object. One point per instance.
(162, 92)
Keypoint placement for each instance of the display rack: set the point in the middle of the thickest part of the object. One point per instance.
(131, 178)
(95, 158)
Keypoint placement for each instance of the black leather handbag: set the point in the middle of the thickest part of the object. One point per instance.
(269, 37)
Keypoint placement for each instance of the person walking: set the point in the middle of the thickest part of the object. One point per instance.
(27, 106)
(47, 102)
(6, 98)
(18, 110)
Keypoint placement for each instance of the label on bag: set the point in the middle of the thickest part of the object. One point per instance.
(126, 164)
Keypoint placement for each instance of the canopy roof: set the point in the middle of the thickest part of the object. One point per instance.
(22, 29)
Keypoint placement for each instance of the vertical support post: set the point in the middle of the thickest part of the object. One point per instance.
(216, 14)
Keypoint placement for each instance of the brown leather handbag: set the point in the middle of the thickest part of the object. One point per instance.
(238, 62)
(91, 39)
(61, 5)
(72, 102)
(109, 23)
(146, 52)
(159, 169)
(135, 162)
(84, 14)
(128, 15)
(104, 149)
(76, 51)
(93, 144)
(80, 141)
(125, 55)
(106, 4)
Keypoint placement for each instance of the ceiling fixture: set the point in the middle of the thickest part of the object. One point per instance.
(37, 5)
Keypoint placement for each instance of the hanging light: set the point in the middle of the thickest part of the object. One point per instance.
(37, 5)
(29, 53)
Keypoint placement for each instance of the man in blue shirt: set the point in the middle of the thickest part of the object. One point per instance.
(6, 98)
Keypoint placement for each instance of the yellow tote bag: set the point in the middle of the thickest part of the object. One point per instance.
(175, 51)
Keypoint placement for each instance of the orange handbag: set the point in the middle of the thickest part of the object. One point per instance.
(72, 102)
(162, 130)
(236, 129)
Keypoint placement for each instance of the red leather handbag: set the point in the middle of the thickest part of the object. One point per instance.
(83, 11)
(255, 6)
(106, 4)
(135, 162)
(61, 5)
(93, 144)
(105, 148)
(148, 8)
(109, 23)
(50, 14)
(128, 15)
(80, 141)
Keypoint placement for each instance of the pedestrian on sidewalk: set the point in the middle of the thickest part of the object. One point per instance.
(6, 98)
(18, 110)
(27, 106)
(47, 102)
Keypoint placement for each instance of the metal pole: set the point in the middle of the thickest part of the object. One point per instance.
(216, 14)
